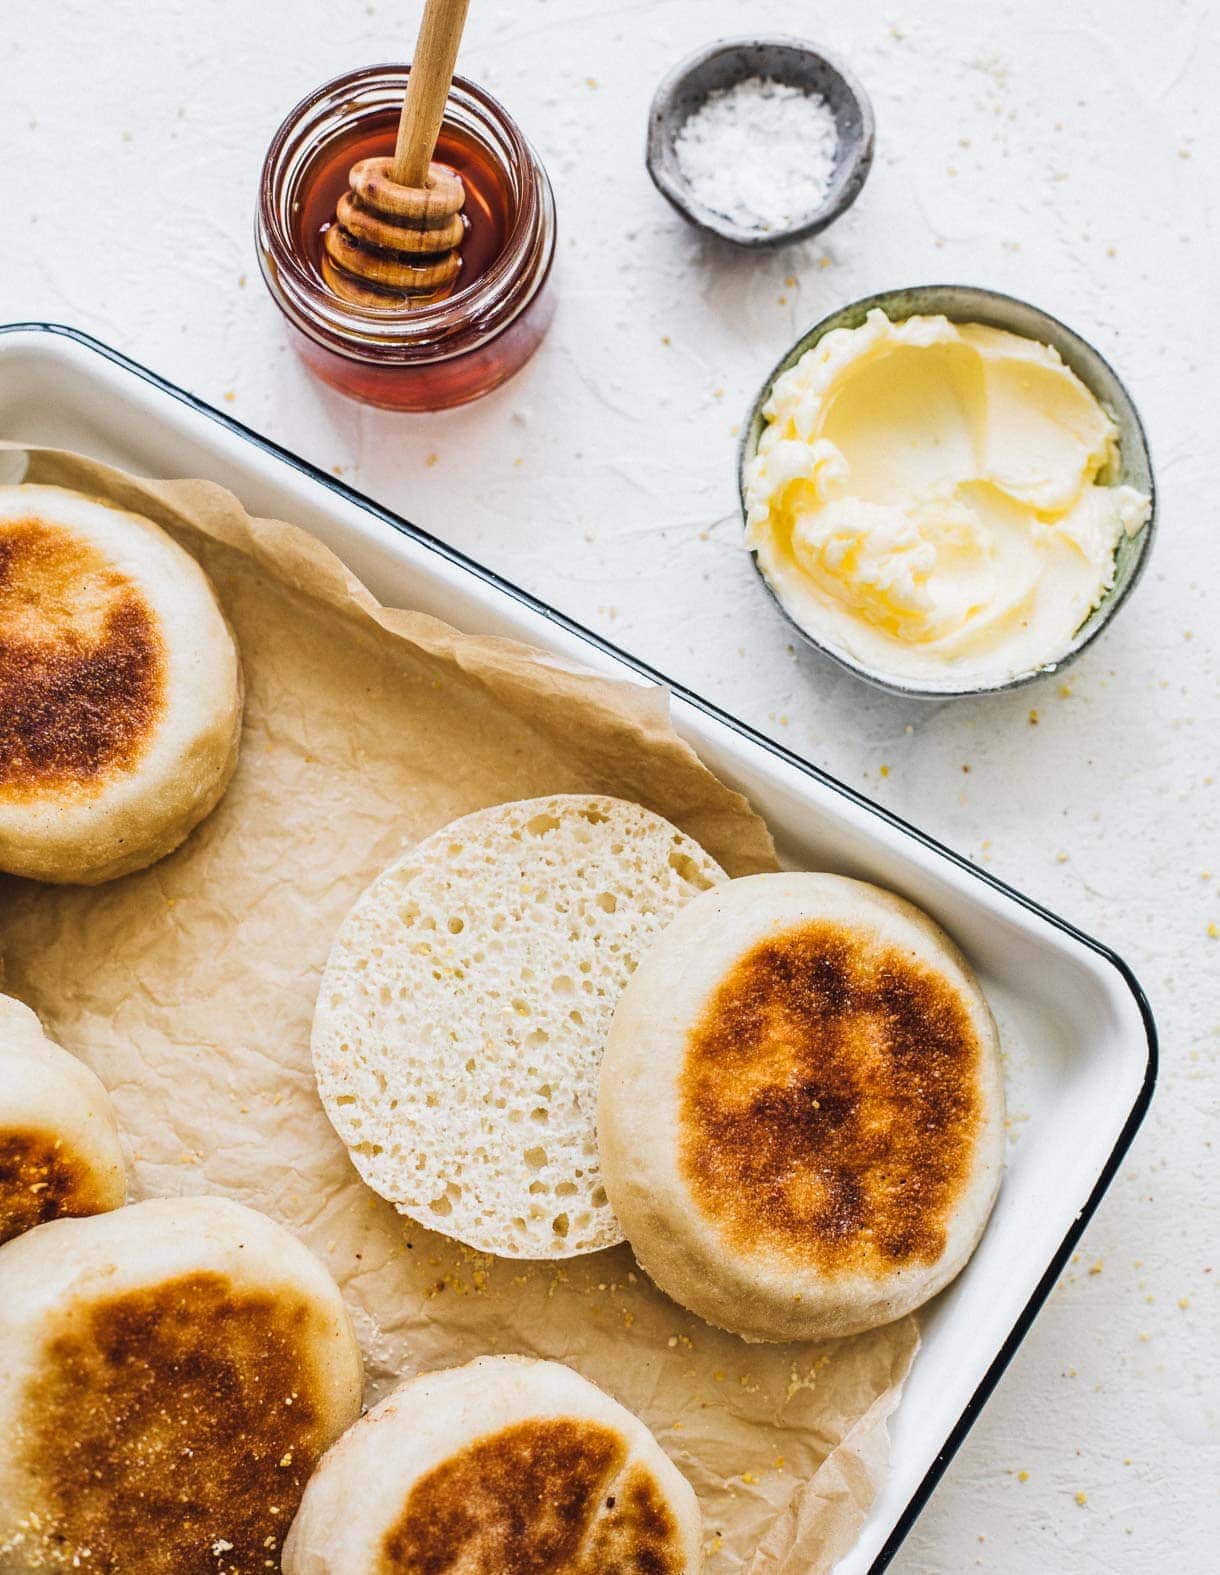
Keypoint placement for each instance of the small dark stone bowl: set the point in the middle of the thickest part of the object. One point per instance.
(732, 60)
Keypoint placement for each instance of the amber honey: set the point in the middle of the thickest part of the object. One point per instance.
(489, 206)
(407, 355)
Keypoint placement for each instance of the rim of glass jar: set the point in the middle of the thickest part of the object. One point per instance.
(444, 329)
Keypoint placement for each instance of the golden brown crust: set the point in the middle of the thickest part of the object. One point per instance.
(170, 1430)
(636, 1534)
(830, 1103)
(539, 1498)
(82, 664)
(40, 1180)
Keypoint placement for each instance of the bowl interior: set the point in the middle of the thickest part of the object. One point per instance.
(790, 61)
(969, 303)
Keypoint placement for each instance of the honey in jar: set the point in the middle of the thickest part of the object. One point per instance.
(442, 351)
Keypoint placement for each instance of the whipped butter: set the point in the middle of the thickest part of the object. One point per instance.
(930, 499)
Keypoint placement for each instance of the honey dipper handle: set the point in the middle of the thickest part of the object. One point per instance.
(423, 109)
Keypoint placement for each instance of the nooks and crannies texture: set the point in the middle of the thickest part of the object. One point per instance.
(465, 1006)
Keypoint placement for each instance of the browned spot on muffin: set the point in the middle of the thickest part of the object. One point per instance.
(636, 1532)
(40, 1180)
(542, 1497)
(82, 664)
(170, 1430)
(830, 1102)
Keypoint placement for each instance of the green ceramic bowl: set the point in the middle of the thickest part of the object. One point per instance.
(968, 303)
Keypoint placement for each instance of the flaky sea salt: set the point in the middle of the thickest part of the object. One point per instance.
(761, 153)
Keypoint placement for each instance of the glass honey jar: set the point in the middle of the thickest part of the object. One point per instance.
(423, 356)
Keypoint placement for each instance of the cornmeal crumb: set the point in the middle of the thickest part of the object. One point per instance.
(1082, 1498)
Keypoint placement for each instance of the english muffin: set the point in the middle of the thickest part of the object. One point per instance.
(801, 1112)
(464, 1008)
(503, 1465)
(59, 1140)
(170, 1374)
(120, 689)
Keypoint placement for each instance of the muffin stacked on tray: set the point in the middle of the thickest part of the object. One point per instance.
(802, 1108)
(120, 689)
(170, 1373)
(462, 1015)
(504, 1464)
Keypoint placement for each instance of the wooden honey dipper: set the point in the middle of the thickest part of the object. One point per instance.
(398, 231)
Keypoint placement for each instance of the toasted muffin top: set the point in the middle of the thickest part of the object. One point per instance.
(830, 1102)
(82, 664)
(170, 1429)
(546, 1496)
(43, 1178)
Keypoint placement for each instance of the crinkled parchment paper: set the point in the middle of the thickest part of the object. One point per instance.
(190, 987)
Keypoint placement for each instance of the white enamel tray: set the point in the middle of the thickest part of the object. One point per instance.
(1079, 1036)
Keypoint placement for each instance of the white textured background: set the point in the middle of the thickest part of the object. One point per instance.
(1061, 150)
